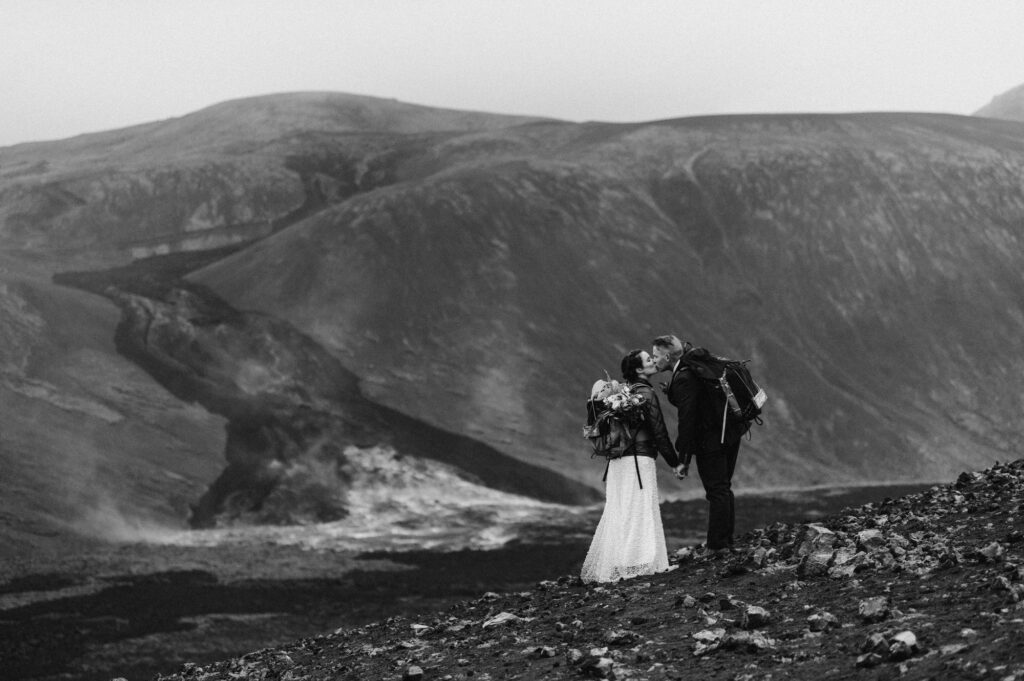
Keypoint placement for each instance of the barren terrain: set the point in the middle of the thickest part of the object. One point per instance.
(928, 586)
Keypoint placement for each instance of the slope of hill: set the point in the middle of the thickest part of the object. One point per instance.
(92, 445)
(473, 273)
(1009, 105)
(866, 263)
(89, 443)
(222, 175)
(929, 586)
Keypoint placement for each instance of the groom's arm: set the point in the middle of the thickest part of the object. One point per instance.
(683, 393)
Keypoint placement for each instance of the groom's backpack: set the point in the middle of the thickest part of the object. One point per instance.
(731, 386)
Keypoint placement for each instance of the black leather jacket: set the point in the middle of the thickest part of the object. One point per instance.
(652, 438)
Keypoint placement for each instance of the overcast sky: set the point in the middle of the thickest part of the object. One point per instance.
(74, 66)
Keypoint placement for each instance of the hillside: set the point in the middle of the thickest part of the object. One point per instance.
(928, 586)
(1008, 106)
(865, 263)
(90, 444)
(286, 271)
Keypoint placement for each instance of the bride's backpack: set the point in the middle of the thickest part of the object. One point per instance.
(614, 415)
(609, 432)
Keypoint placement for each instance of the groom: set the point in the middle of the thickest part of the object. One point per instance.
(698, 436)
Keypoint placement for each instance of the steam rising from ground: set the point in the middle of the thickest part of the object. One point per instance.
(395, 502)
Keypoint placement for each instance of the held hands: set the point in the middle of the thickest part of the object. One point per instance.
(682, 471)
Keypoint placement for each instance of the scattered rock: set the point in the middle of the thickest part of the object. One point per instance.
(870, 540)
(822, 621)
(874, 609)
(814, 565)
(684, 554)
(869, 660)
(992, 553)
(758, 558)
(599, 667)
(816, 539)
(875, 643)
(754, 616)
(954, 648)
(729, 603)
(748, 641)
(413, 673)
(902, 646)
(618, 637)
(708, 640)
(505, 618)
(848, 568)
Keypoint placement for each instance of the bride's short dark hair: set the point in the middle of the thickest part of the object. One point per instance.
(630, 363)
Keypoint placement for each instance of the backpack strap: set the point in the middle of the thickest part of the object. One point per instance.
(636, 462)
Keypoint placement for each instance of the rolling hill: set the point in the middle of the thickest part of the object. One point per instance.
(458, 280)
(1009, 106)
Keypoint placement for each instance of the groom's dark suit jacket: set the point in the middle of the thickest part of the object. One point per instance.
(700, 417)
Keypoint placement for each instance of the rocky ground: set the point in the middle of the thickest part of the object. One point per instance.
(927, 586)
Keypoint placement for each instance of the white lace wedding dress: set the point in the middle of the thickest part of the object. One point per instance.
(630, 539)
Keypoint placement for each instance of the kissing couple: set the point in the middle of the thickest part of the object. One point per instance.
(630, 538)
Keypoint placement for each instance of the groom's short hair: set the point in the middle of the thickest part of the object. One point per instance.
(673, 346)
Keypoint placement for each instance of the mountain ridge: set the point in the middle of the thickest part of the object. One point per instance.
(531, 175)
(1008, 105)
(476, 276)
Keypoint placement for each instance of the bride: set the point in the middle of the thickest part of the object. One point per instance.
(630, 539)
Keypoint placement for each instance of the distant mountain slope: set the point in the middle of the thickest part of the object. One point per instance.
(1009, 106)
(477, 272)
(866, 263)
(225, 174)
(242, 125)
(89, 443)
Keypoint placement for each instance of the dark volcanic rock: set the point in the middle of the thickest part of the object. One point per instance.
(944, 621)
(292, 410)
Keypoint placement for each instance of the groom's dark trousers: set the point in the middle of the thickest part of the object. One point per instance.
(700, 437)
(716, 469)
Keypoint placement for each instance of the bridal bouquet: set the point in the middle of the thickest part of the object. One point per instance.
(622, 402)
(614, 411)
